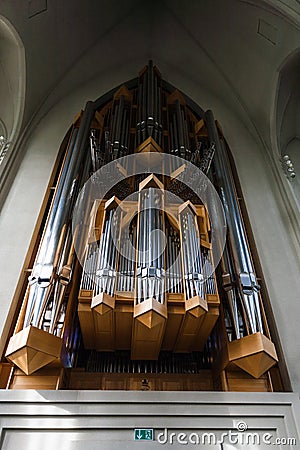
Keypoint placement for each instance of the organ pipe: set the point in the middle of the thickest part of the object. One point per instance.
(149, 106)
(191, 254)
(150, 264)
(107, 257)
(50, 274)
(243, 272)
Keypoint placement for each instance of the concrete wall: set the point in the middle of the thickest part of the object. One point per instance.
(35, 420)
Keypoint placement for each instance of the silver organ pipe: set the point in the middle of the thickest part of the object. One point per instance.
(191, 254)
(107, 257)
(90, 266)
(126, 266)
(208, 272)
(150, 262)
(245, 273)
(149, 113)
(173, 262)
(115, 143)
(179, 136)
(234, 302)
(50, 273)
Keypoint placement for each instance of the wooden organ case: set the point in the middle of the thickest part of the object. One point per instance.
(132, 297)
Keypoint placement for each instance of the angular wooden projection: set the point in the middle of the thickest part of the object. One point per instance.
(153, 153)
(150, 312)
(151, 181)
(112, 203)
(123, 91)
(209, 321)
(196, 306)
(32, 348)
(102, 306)
(102, 303)
(174, 96)
(255, 354)
(149, 145)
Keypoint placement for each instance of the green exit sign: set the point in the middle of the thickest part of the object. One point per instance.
(143, 434)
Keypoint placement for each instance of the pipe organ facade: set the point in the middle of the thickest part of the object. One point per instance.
(133, 294)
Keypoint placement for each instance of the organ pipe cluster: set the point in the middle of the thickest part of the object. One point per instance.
(151, 257)
(239, 278)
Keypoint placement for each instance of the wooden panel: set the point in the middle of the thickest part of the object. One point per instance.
(188, 333)
(145, 341)
(203, 225)
(174, 335)
(171, 385)
(241, 381)
(104, 331)
(85, 316)
(79, 379)
(206, 328)
(148, 329)
(173, 325)
(275, 377)
(135, 382)
(46, 378)
(199, 382)
(109, 382)
(5, 370)
(123, 321)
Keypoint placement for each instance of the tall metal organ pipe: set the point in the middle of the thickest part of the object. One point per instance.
(108, 253)
(191, 254)
(150, 264)
(149, 112)
(46, 273)
(245, 273)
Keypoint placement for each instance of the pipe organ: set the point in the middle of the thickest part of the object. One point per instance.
(147, 286)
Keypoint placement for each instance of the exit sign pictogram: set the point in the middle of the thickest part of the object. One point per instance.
(143, 434)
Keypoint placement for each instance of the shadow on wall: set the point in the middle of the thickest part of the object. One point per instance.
(12, 81)
(12, 94)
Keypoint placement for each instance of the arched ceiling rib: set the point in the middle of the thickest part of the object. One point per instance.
(12, 79)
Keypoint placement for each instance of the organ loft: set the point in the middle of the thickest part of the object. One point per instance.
(144, 271)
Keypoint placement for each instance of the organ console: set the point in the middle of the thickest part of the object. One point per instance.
(138, 275)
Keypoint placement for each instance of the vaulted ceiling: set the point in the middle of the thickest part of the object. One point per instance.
(227, 51)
